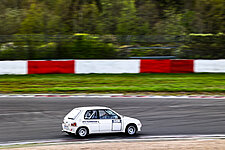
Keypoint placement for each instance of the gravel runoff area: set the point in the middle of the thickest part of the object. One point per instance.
(204, 144)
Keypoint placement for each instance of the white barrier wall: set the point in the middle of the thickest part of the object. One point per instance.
(107, 66)
(213, 66)
(13, 67)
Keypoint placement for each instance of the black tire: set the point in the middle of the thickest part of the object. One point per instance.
(131, 130)
(82, 132)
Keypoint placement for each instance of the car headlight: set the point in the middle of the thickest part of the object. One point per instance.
(139, 124)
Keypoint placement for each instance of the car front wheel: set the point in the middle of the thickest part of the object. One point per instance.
(131, 130)
(82, 132)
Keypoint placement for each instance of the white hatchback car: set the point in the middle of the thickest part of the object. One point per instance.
(90, 120)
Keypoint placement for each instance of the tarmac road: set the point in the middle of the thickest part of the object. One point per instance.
(23, 119)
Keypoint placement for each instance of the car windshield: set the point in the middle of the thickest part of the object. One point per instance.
(73, 114)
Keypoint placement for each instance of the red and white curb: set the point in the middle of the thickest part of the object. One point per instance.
(107, 96)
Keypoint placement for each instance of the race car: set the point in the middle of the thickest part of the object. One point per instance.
(83, 121)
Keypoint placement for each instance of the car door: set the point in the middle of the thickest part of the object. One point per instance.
(116, 120)
(109, 121)
(105, 123)
(91, 120)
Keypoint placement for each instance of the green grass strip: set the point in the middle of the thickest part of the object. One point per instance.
(106, 83)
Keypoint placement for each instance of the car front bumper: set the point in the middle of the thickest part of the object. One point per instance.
(139, 125)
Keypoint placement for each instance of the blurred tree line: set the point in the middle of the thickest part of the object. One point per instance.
(110, 17)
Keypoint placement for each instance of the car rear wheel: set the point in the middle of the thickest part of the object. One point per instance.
(82, 132)
(131, 130)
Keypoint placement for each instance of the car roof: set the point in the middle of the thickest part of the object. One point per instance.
(92, 108)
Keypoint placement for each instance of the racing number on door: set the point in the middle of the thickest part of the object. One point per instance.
(116, 125)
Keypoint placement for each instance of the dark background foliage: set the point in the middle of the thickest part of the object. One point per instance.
(131, 19)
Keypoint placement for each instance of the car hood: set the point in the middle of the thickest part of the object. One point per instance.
(134, 120)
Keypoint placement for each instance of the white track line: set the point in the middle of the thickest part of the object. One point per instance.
(140, 138)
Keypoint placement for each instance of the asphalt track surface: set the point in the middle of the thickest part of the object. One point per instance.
(25, 119)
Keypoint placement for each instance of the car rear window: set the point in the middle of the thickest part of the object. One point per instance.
(73, 114)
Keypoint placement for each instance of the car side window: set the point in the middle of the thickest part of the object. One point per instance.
(107, 114)
(91, 114)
